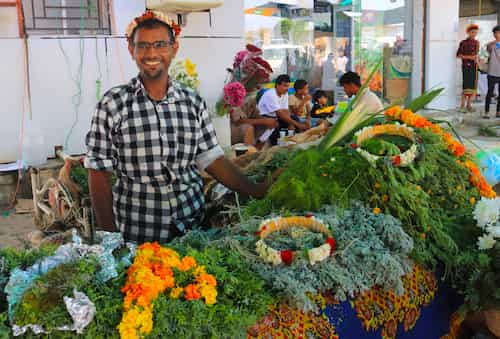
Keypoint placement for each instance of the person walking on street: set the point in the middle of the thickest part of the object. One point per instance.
(468, 51)
(493, 49)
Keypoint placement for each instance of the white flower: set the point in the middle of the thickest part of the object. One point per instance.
(267, 253)
(486, 211)
(486, 242)
(319, 253)
(494, 231)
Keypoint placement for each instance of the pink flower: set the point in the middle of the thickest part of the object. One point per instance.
(234, 94)
(239, 58)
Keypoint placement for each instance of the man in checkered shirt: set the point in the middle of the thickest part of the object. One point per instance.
(156, 135)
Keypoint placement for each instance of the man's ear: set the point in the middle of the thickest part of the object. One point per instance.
(175, 47)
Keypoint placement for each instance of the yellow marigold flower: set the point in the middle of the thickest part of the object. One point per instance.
(209, 293)
(377, 185)
(376, 210)
(418, 187)
(190, 67)
(429, 191)
(199, 270)
(459, 187)
(472, 200)
(176, 292)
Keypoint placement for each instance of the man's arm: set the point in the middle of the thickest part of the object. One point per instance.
(102, 198)
(284, 115)
(225, 172)
(267, 122)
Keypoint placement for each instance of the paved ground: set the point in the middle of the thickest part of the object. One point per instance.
(13, 229)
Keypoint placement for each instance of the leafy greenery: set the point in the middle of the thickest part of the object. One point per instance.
(11, 258)
(372, 249)
(43, 302)
(433, 198)
(242, 299)
(423, 100)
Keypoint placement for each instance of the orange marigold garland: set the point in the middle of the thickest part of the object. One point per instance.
(153, 273)
(454, 147)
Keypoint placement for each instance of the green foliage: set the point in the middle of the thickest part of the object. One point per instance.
(372, 249)
(482, 284)
(380, 147)
(423, 100)
(11, 258)
(431, 198)
(242, 299)
(43, 302)
(80, 176)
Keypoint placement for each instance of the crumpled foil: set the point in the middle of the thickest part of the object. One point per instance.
(80, 308)
(21, 280)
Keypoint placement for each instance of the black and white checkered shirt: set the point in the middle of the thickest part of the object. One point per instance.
(157, 150)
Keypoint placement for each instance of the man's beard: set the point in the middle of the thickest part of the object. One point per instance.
(155, 75)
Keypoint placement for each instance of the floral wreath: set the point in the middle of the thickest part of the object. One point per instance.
(148, 15)
(276, 257)
(403, 160)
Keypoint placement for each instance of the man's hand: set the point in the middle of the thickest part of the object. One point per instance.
(102, 199)
(306, 98)
(225, 172)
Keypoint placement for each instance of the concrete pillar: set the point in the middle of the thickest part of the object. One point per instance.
(441, 45)
(417, 38)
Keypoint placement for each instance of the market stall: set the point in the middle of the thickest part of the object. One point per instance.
(383, 228)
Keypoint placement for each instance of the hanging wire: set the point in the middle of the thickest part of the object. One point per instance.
(77, 79)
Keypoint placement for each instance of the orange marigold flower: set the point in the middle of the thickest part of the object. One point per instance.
(207, 279)
(187, 263)
(423, 236)
(385, 198)
(191, 292)
(376, 210)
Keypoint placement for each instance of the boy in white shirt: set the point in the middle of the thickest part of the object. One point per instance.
(351, 82)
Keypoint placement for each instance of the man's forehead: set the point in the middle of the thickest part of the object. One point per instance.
(153, 34)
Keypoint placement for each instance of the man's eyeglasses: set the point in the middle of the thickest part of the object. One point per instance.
(157, 45)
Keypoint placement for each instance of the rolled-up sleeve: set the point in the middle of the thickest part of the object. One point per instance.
(100, 152)
(208, 147)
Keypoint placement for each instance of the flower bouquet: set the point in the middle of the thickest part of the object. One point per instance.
(249, 71)
(184, 71)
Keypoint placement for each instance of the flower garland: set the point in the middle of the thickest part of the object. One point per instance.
(275, 257)
(404, 159)
(453, 146)
(151, 274)
(149, 15)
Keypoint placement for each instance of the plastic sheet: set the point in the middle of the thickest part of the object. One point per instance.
(489, 162)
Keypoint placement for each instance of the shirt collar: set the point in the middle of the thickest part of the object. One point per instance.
(174, 91)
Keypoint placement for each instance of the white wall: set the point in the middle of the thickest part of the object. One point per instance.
(53, 89)
(441, 45)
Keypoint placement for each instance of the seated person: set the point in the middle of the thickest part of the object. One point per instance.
(274, 104)
(246, 123)
(352, 83)
(299, 104)
(320, 108)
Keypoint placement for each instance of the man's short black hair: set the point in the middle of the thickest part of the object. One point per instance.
(152, 24)
(319, 94)
(350, 78)
(299, 84)
(496, 29)
(282, 78)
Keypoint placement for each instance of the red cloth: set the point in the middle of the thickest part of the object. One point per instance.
(468, 47)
